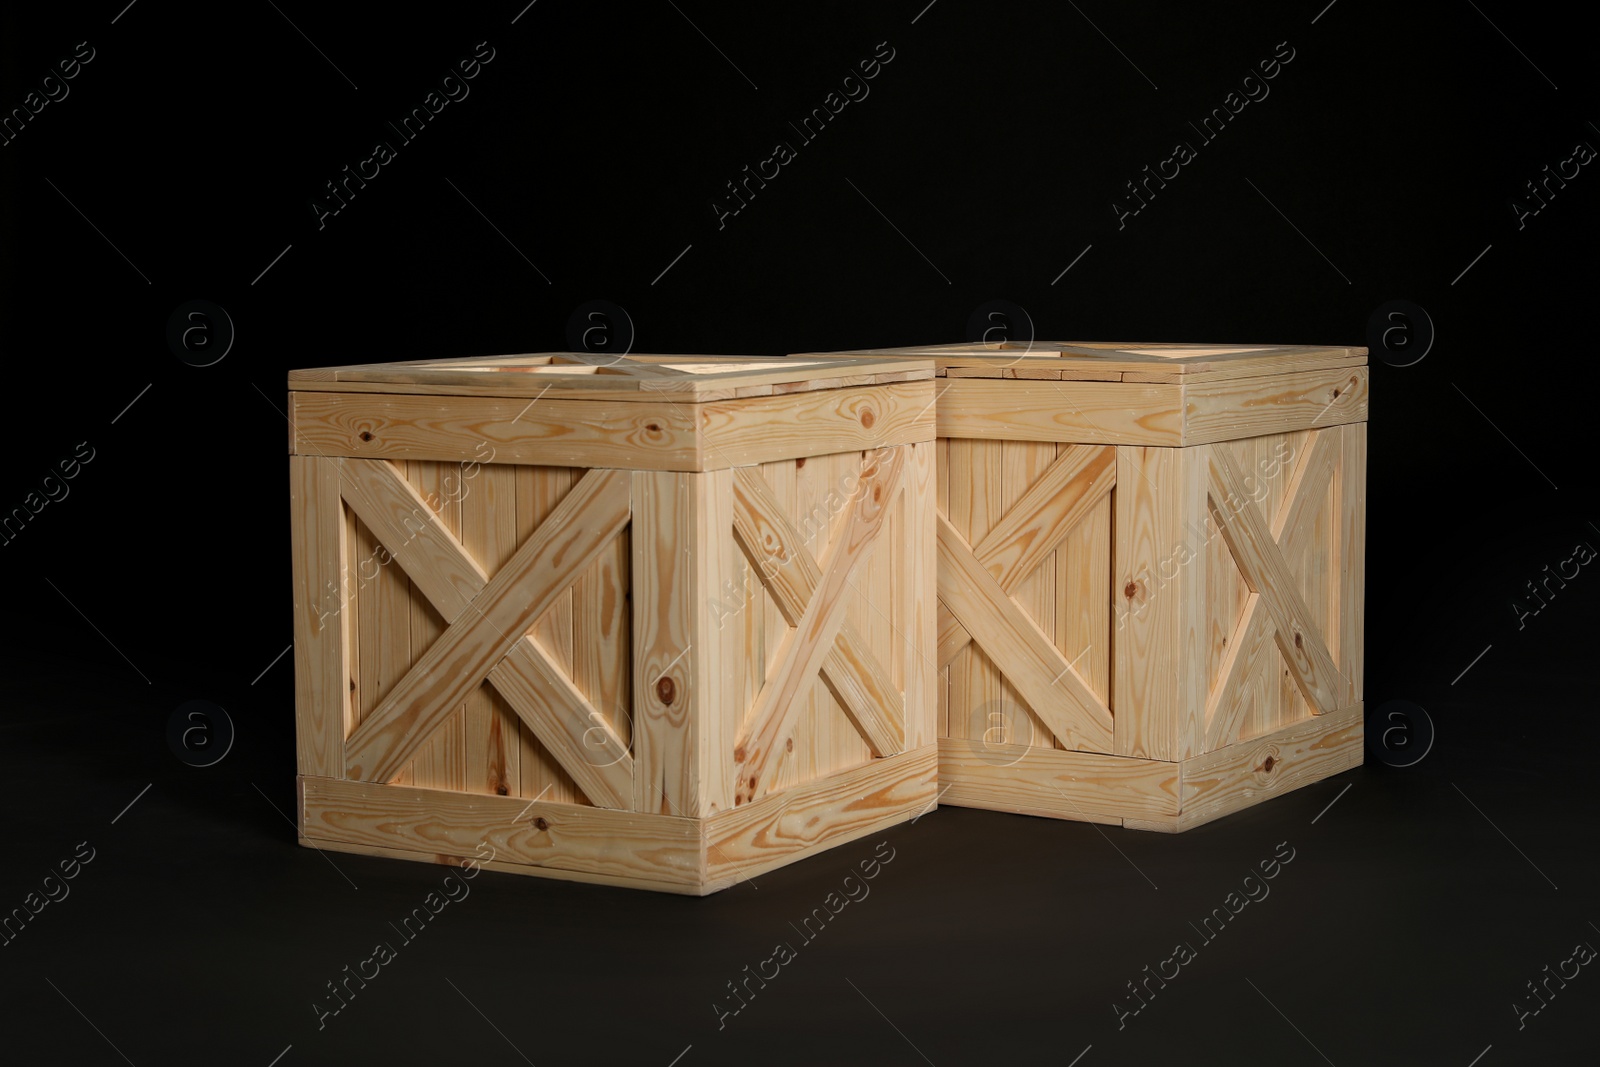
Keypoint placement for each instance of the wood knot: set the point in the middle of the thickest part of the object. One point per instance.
(502, 790)
(541, 823)
(738, 754)
(1299, 642)
(868, 418)
(665, 690)
(801, 462)
(788, 746)
(366, 435)
(1269, 763)
(653, 427)
(1336, 394)
(877, 493)
(1130, 590)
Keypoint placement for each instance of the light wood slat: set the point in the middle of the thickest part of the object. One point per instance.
(321, 634)
(1034, 527)
(762, 429)
(1099, 413)
(1041, 675)
(919, 593)
(584, 742)
(501, 614)
(1352, 562)
(685, 705)
(1263, 568)
(1034, 780)
(1148, 588)
(1281, 403)
(1241, 775)
(771, 543)
(803, 649)
(818, 815)
(545, 430)
(572, 837)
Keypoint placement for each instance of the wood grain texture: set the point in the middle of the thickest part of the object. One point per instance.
(686, 709)
(1087, 786)
(1280, 403)
(822, 814)
(321, 634)
(1252, 771)
(1148, 587)
(576, 838)
(543, 430)
(916, 584)
(1101, 413)
(508, 605)
(1351, 564)
(746, 432)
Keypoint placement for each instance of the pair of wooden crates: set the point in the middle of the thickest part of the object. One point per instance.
(670, 622)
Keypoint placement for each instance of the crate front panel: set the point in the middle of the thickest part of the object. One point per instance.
(1084, 583)
(1062, 588)
(491, 511)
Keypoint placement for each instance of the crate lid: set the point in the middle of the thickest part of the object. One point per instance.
(586, 376)
(1156, 362)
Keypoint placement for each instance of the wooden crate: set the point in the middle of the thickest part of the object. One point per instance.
(656, 621)
(1150, 575)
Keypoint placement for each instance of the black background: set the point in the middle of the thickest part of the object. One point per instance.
(1383, 164)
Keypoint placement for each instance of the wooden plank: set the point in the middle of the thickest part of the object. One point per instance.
(541, 834)
(1050, 685)
(677, 727)
(771, 543)
(1147, 587)
(807, 644)
(544, 430)
(718, 707)
(321, 635)
(917, 586)
(818, 815)
(1087, 786)
(1101, 413)
(1250, 772)
(1225, 411)
(514, 597)
(986, 685)
(1261, 563)
(762, 429)
(1351, 565)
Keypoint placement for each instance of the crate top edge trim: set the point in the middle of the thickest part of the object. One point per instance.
(583, 375)
(1146, 362)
